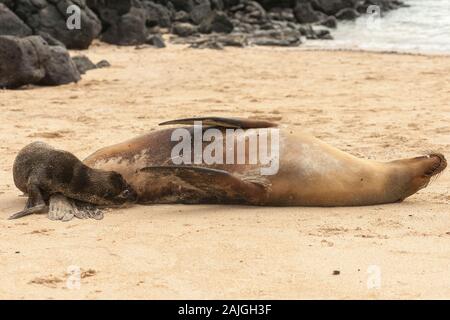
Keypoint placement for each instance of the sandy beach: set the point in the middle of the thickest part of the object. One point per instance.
(372, 105)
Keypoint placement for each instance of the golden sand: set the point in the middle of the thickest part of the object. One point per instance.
(378, 106)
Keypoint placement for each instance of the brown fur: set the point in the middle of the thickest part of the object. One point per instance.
(311, 173)
(42, 171)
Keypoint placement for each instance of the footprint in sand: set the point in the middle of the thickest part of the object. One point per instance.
(42, 231)
(48, 281)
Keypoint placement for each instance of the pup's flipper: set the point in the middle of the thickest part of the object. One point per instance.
(88, 210)
(42, 208)
(35, 203)
(224, 122)
(217, 185)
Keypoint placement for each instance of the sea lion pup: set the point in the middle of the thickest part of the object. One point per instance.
(48, 175)
(310, 172)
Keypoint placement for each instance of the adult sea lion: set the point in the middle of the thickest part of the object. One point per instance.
(309, 171)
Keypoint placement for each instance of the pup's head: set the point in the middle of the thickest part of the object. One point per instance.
(108, 188)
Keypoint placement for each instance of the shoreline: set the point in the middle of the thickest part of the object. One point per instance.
(406, 53)
(319, 49)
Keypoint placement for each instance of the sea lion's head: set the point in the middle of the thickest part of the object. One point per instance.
(105, 188)
(416, 173)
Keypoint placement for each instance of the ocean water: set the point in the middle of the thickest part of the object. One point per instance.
(424, 27)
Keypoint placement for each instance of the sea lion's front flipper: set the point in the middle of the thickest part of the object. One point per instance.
(35, 203)
(61, 208)
(217, 184)
(224, 122)
(65, 209)
(88, 210)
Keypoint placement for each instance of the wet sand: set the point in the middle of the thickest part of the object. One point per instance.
(373, 105)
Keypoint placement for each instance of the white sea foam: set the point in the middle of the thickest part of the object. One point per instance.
(424, 27)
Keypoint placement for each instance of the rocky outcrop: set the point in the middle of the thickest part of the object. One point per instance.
(84, 64)
(136, 22)
(216, 21)
(11, 25)
(184, 29)
(347, 14)
(59, 68)
(31, 60)
(34, 33)
(21, 61)
(49, 17)
(304, 13)
(331, 7)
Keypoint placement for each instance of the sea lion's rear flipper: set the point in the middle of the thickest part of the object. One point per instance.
(65, 209)
(35, 203)
(217, 184)
(224, 122)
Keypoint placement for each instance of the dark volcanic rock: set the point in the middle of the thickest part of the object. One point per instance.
(385, 5)
(31, 60)
(233, 40)
(50, 16)
(282, 14)
(8, 3)
(347, 14)
(21, 61)
(83, 64)
(200, 11)
(129, 29)
(184, 29)
(323, 34)
(330, 22)
(210, 44)
(157, 15)
(185, 5)
(156, 41)
(217, 21)
(124, 22)
(331, 7)
(181, 16)
(276, 38)
(59, 68)
(103, 64)
(315, 34)
(217, 41)
(131, 22)
(274, 42)
(49, 39)
(304, 13)
(217, 5)
(11, 25)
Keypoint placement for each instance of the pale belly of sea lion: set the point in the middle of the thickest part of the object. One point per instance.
(309, 171)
